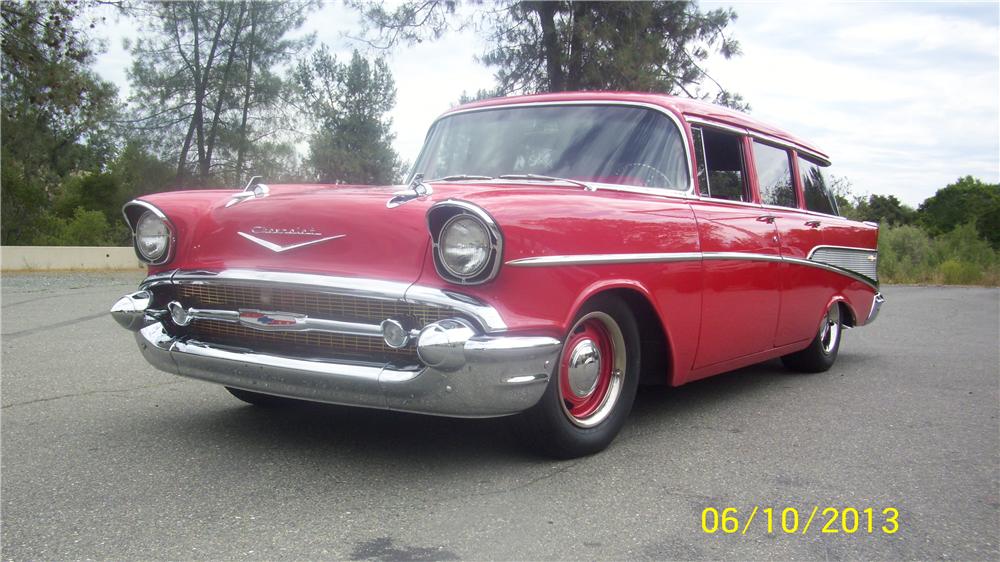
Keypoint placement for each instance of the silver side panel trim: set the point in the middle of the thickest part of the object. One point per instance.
(668, 257)
(863, 261)
(598, 259)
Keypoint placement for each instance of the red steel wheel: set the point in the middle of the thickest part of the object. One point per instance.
(591, 369)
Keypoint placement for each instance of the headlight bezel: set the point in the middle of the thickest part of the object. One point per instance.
(134, 212)
(445, 214)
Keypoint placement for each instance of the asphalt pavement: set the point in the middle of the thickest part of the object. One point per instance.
(104, 457)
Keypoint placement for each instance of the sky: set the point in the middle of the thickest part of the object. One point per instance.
(903, 96)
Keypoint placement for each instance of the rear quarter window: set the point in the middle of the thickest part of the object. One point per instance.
(774, 175)
(816, 188)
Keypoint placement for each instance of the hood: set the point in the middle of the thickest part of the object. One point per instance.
(340, 230)
(332, 230)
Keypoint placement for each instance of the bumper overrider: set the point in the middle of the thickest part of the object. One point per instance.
(468, 366)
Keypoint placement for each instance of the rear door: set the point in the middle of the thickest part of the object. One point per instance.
(798, 232)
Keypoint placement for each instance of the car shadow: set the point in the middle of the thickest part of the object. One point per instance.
(320, 430)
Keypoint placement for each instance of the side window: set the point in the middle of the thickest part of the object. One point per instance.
(816, 189)
(774, 175)
(720, 164)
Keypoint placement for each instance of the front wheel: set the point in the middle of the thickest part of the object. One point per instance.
(591, 393)
(822, 351)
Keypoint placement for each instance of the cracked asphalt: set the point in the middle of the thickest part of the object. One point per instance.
(105, 458)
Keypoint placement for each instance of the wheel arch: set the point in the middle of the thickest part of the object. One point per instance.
(656, 351)
(848, 317)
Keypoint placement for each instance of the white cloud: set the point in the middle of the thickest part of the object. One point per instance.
(904, 101)
(904, 97)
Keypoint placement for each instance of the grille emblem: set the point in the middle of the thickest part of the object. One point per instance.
(278, 247)
(264, 320)
(871, 257)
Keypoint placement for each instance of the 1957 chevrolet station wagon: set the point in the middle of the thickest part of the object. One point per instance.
(549, 254)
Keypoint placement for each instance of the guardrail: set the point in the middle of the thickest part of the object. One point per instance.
(43, 258)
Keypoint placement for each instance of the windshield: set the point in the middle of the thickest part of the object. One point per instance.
(598, 143)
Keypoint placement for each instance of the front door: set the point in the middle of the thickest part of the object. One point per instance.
(739, 244)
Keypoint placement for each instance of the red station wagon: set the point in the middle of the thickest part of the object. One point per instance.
(549, 253)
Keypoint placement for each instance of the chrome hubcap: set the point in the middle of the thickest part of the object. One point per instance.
(584, 368)
(829, 330)
(592, 370)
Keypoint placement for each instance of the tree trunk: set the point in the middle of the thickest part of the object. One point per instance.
(574, 71)
(247, 93)
(223, 87)
(204, 164)
(550, 44)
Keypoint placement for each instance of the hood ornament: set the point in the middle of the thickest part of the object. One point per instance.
(417, 188)
(278, 248)
(253, 190)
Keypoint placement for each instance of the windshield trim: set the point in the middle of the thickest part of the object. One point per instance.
(615, 187)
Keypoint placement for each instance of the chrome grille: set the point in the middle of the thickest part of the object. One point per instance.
(315, 304)
(853, 259)
(320, 305)
(303, 344)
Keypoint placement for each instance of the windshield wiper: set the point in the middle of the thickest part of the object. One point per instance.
(463, 177)
(536, 177)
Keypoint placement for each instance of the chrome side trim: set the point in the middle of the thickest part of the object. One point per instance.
(741, 256)
(604, 259)
(846, 272)
(488, 317)
(600, 259)
(660, 109)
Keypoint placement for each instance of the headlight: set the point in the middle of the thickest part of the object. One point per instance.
(152, 237)
(465, 246)
(467, 242)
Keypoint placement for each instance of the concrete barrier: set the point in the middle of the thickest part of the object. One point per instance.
(41, 258)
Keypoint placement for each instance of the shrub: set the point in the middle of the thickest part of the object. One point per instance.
(954, 272)
(85, 228)
(908, 254)
(904, 254)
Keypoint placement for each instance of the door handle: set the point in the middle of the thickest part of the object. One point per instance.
(813, 224)
(769, 219)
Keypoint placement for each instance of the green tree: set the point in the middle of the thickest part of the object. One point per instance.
(204, 83)
(658, 46)
(57, 114)
(349, 103)
(99, 192)
(968, 200)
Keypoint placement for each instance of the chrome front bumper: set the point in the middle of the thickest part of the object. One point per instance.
(464, 373)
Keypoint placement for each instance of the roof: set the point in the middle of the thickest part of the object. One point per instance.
(679, 106)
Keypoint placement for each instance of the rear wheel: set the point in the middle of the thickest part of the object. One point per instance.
(822, 351)
(258, 399)
(590, 395)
